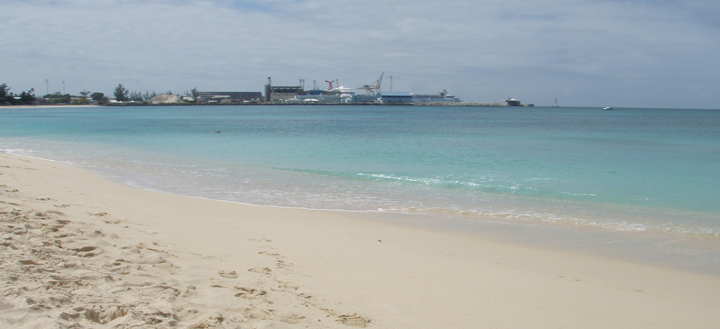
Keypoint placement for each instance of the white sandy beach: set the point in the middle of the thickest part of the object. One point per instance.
(81, 252)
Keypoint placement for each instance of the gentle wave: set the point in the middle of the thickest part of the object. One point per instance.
(642, 171)
(371, 192)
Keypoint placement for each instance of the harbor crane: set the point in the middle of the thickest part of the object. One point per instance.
(373, 88)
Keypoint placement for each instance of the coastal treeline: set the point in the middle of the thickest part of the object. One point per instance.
(8, 97)
(120, 94)
(123, 95)
(28, 97)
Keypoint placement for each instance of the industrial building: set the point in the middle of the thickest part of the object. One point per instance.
(228, 97)
(281, 93)
(336, 93)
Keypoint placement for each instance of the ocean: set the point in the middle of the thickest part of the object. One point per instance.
(639, 174)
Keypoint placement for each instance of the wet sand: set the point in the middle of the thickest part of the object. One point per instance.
(81, 251)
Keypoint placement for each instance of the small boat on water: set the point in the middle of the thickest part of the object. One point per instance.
(607, 108)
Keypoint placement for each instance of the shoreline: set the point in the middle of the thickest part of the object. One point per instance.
(450, 104)
(44, 106)
(81, 250)
(683, 253)
(688, 252)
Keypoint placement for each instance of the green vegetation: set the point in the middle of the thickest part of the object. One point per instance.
(99, 98)
(24, 98)
(57, 98)
(121, 94)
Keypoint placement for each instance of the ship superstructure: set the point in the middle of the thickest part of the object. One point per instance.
(441, 97)
(336, 93)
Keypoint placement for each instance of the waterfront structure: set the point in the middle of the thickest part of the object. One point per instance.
(394, 97)
(165, 99)
(372, 98)
(441, 97)
(337, 94)
(512, 102)
(228, 97)
(281, 93)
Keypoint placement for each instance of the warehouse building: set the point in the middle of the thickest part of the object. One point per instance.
(281, 93)
(228, 97)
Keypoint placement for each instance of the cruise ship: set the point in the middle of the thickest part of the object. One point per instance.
(441, 97)
(335, 94)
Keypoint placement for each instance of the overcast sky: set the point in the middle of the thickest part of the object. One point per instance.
(625, 53)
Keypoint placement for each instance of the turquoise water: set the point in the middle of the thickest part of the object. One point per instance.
(636, 170)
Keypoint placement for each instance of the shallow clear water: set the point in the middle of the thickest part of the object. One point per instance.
(644, 170)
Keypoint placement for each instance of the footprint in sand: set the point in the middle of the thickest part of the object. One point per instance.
(354, 320)
(257, 314)
(280, 263)
(228, 274)
(290, 318)
(283, 264)
(261, 270)
(260, 314)
(289, 286)
(87, 251)
(249, 293)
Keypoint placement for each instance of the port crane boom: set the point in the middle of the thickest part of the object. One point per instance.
(374, 87)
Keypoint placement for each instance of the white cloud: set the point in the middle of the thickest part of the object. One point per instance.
(625, 53)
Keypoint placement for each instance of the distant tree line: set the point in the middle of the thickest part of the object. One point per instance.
(24, 98)
(121, 95)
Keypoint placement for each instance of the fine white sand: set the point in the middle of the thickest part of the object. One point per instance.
(80, 252)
